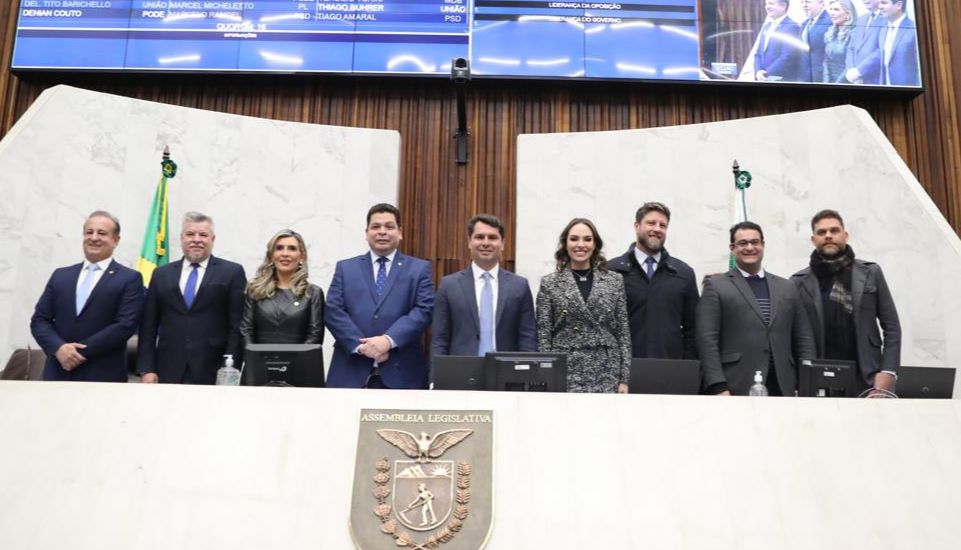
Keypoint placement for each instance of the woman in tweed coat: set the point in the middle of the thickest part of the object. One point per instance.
(582, 311)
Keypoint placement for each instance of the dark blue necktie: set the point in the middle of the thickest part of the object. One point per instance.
(190, 289)
(381, 281)
(486, 317)
(649, 267)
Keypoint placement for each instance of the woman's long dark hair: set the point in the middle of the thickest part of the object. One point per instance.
(563, 259)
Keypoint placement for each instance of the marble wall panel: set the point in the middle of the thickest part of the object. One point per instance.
(801, 162)
(76, 151)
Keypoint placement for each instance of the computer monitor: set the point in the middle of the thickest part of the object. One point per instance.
(665, 376)
(925, 382)
(300, 365)
(827, 378)
(525, 371)
(457, 372)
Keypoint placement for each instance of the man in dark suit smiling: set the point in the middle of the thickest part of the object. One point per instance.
(484, 307)
(88, 311)
(378, 307)
(192, 312)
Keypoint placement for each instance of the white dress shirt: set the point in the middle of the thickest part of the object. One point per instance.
(387, 267)
(889, 39)
(479, 287)
(771, 30)
(185, 270)
(642, 258)
(102, 264)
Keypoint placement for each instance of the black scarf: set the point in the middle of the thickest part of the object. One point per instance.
(834, 277)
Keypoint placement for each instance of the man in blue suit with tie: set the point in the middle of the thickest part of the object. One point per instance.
(88, 311)
(898, 42)
(378, 307)
(192, 313)
(778, 53)
(863, 59)
(483, 308)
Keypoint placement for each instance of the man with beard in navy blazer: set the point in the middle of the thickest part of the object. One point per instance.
(192, 312)
(378, 306)
(88, 311)
(484, 307)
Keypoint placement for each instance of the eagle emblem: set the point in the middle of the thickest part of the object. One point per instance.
(425, 447)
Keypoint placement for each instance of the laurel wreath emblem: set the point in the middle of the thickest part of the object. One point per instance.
(404, 539)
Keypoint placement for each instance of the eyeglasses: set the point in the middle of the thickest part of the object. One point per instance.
(753, 242)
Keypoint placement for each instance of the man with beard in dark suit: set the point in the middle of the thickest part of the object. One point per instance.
(661, 290)
(845, 299)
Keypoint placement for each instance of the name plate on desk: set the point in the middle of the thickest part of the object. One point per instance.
(423, 479)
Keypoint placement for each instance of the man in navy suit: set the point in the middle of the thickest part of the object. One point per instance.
(778, 52)
(88, 311)
(813, 30)
(192, 312)
(898, 42)
(378, 307)
(483, 308)
(863, 60)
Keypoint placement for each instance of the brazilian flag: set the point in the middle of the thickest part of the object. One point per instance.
(155, 250)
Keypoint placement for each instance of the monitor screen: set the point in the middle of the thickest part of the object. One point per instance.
(300, 365)
(525, 371)
(827, 378)
(457, 372)
(672, 40)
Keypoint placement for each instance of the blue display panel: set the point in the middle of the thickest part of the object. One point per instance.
(648, 40)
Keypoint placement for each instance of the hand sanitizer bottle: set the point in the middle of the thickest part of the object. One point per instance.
(228, 375)
(758, 389)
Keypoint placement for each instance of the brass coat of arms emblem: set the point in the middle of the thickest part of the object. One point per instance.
(423, 480)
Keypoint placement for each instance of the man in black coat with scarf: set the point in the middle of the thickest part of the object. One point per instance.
(846, 299)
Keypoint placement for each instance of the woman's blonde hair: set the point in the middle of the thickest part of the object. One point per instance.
(264, 283)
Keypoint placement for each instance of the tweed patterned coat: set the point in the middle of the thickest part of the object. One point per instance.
(595, 334)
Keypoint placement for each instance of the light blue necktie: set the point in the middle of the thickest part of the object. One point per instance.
(190, 289)
(649, 267)
(381, 281)
(86, 286)
(486, 315)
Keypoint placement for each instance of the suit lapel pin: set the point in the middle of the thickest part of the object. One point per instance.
(296, 304)
(110, 272)
(399, 264)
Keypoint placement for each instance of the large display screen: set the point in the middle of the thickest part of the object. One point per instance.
(854, 42)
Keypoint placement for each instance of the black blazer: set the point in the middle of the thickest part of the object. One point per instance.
(284, 318)
(174, 338)
(662, 311)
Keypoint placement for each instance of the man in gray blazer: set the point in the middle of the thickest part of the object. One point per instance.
(845, 299)
(749, 320)
(484, 307)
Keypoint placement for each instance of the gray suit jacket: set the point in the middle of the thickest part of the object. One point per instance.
(733, 340)
(873, 303)
(595, 334)
(456, 326)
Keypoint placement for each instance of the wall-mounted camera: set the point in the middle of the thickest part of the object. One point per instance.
(460, 70)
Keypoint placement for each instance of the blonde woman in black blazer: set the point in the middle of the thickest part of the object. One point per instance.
(582, 311)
